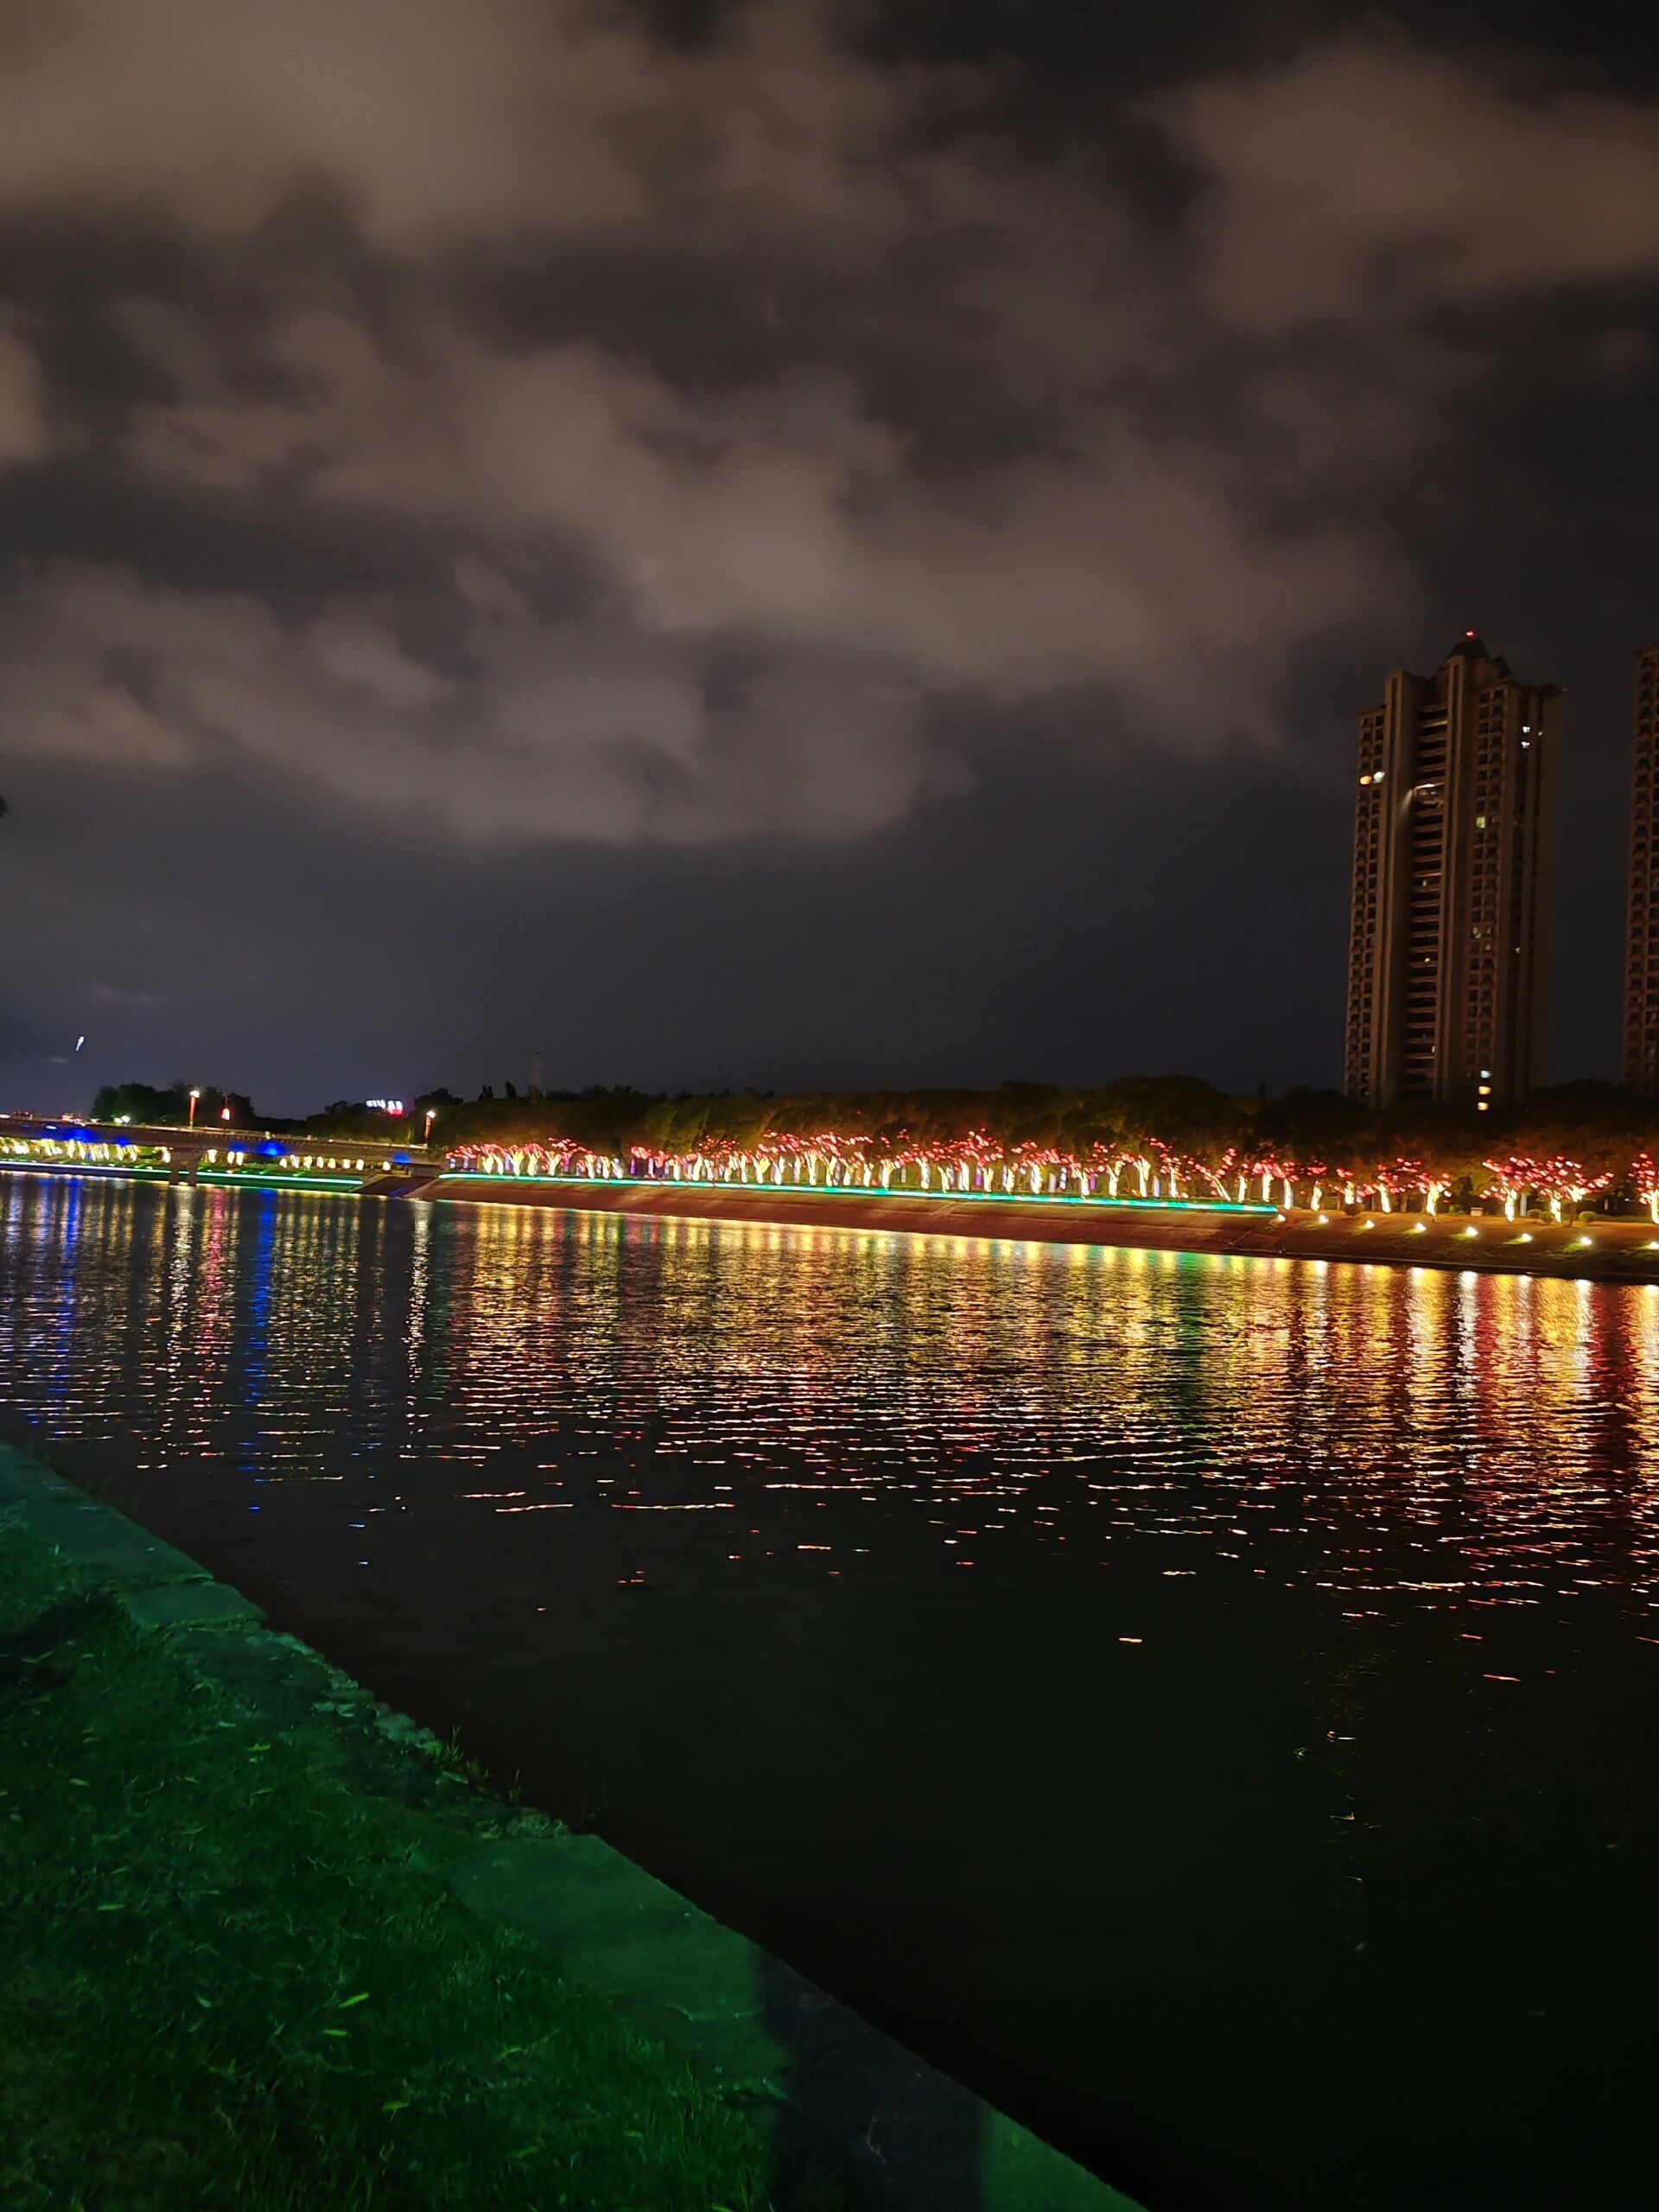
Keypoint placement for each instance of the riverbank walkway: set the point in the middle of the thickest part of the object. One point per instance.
(271, 1945)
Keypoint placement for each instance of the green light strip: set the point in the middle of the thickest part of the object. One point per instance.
(43, 1165)
(229, 1177)
(224, 1177)
(843, 1191)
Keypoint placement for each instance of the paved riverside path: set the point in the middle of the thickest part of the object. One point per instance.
(827, 2089)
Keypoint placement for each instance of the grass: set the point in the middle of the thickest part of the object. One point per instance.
(231, 1979)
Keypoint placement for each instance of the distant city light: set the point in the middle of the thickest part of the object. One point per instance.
(384, 1105)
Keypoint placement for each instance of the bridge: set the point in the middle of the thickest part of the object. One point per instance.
(212, 1154)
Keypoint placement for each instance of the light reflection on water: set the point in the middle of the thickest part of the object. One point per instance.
(1202, 1699)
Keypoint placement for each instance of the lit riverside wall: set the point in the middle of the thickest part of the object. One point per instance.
(267, 1163)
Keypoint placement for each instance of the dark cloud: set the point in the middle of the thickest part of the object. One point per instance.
(1369, 176)
(508, 425)
(23, 434)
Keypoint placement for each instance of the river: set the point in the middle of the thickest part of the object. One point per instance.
(1209, 1705)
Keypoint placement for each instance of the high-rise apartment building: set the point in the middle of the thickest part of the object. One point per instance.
(1449, 969)
(1642, 943)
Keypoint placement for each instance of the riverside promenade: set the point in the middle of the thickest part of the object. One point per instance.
(275, 1943)
(1592, 1249)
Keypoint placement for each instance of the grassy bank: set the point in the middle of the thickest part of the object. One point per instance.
(233, 1976)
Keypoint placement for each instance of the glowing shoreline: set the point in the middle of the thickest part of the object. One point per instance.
(219, 1178)
(1257, 1209)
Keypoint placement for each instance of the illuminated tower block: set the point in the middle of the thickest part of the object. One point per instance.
(1642, 943)
(1454, 834)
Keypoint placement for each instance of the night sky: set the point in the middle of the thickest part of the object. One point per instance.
(793, 546)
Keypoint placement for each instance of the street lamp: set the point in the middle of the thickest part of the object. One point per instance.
(431, 1116)
(194, 1095)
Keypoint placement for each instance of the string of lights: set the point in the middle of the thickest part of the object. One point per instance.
(980, 1165)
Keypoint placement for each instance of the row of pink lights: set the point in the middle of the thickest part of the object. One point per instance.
(979, 1163)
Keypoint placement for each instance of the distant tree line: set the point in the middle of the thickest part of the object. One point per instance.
(1596, 1128)
(167, 1105)
(1600, 1126)
(1597, 1122)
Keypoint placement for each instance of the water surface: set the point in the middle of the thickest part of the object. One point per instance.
(1209, 1705)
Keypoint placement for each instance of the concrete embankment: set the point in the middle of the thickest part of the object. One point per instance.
(268, 1926)
(1591, 1250)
